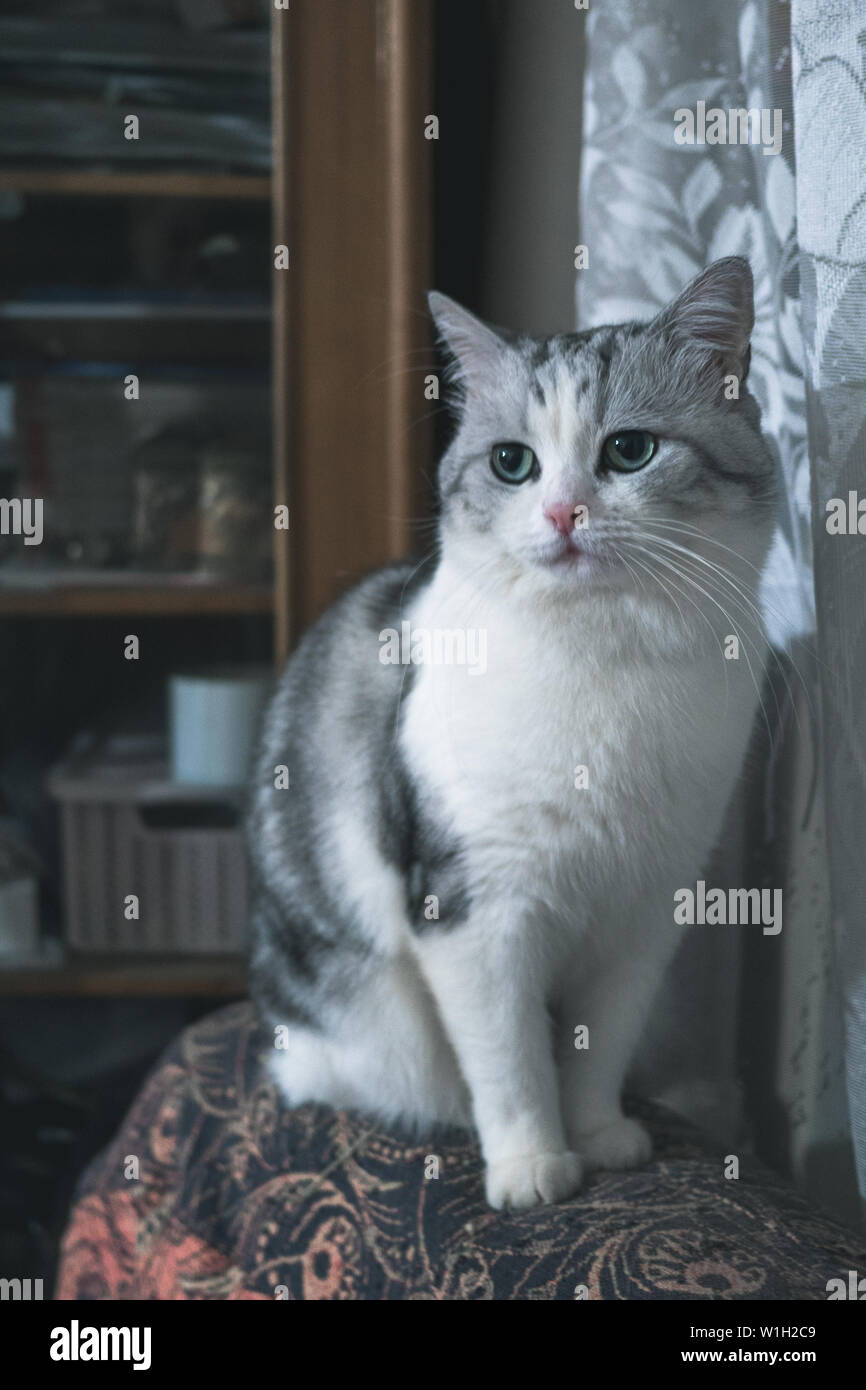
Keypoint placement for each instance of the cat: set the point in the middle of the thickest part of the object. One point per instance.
(464, 901)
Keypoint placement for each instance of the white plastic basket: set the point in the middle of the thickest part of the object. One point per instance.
(127, 830)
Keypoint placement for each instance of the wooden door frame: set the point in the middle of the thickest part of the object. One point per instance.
(352, 200)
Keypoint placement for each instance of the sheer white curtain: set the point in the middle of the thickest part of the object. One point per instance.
(779, 1022)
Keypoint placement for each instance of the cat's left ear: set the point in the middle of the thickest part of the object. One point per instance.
(476, 349)
(716, 314)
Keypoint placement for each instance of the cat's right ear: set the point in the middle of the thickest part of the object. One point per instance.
(475, 349)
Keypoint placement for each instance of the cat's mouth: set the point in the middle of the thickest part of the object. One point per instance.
(570, 553)
(573, 558)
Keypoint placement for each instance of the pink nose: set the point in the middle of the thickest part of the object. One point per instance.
(564, 515)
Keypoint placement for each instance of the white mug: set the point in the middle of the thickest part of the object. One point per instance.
(213, 722)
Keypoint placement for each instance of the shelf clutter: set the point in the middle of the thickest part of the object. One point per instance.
(134, 367)
(135, 404)
(200, 91)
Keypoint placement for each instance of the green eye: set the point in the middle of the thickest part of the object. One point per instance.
(628, 450)
(513, 463)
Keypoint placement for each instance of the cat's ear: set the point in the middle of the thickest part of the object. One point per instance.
(716, 314)
(475, 348)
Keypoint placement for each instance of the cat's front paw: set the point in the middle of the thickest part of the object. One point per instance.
(515, 1184)
(622, 1144)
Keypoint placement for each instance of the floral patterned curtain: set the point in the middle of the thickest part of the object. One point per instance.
(778, 1022)
(829, 81)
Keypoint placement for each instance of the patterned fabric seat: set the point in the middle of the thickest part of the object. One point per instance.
(239, 1198)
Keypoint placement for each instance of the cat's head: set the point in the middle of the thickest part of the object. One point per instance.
(581, 461)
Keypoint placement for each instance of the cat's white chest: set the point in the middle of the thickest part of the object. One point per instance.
(575, 762)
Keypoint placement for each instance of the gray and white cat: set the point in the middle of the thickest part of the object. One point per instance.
(476, 859)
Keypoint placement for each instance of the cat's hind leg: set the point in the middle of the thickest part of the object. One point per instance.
(381, 1051)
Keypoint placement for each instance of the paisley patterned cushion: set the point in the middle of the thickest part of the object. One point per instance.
(235, 1197)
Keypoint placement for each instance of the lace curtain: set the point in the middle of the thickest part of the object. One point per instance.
(776, 1026)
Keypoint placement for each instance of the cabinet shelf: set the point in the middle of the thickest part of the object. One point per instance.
(167, 600)
(121, 977)
(108, 183)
